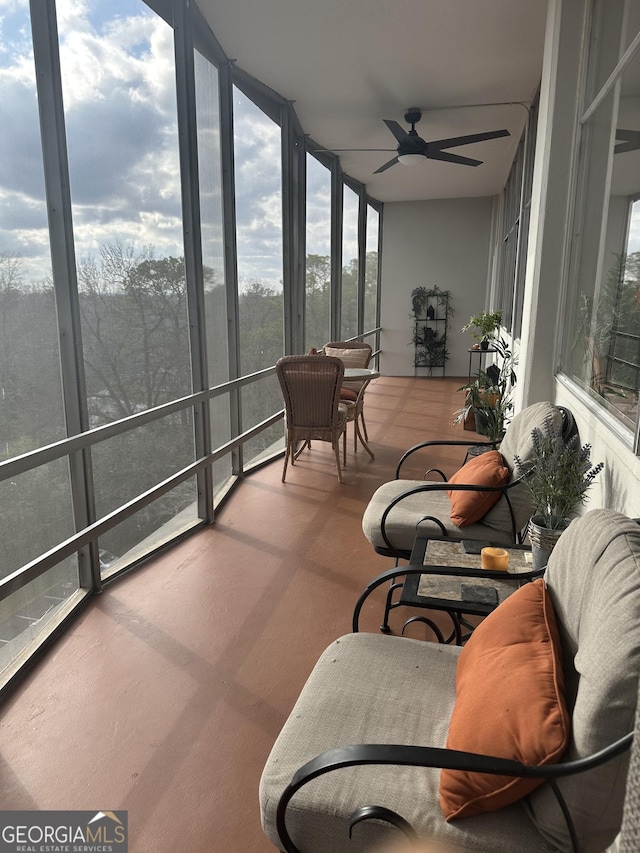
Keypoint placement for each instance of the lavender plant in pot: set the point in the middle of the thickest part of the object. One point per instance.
(557, 478)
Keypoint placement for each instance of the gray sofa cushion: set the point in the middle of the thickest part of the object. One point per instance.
(402, 520)
(599, 620)
(397, 691)
(517, 441)
(495, 526)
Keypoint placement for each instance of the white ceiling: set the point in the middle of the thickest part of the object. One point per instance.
(349, 64)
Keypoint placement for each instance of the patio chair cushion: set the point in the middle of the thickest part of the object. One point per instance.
(387, 690)
(348, 395)
(404, 519)
(488, 469)
(351, 357)
(518, 440)
(599, 625)
(509, 702)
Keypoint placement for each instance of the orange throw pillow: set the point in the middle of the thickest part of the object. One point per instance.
(348, 394)
(488, 469)
(509, 702)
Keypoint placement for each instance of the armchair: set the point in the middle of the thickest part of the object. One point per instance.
(398, 507)
(380, 715)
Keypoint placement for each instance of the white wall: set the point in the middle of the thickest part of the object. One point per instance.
(618, 486)
(442, 243)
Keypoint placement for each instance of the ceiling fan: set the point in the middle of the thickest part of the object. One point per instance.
(411, 148)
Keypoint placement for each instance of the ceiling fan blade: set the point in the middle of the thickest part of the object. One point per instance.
(399, 132)
(453, 158)
(386, 166)
(455, 141)
(340, 150)
(629, 140)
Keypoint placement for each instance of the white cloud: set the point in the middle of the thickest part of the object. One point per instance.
(117, 65)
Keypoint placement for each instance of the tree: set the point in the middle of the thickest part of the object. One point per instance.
(135, 331)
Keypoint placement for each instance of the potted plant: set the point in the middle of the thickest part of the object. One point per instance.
(557, 478)
(489, 396)
(484, 326)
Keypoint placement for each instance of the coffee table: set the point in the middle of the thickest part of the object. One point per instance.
(445, 575)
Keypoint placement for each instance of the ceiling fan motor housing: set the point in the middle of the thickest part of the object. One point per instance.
(412, 116)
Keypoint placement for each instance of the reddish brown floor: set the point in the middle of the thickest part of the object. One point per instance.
(165, 696)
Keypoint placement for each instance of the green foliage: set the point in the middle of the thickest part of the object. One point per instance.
(136, 354)
(484, 326)
(489, 396)
(421, 297)
(429, 341)
(560, 475)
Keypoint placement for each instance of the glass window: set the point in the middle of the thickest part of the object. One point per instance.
(516, 205)
(349, 312)
(215, 288)
(36, 506)
(602, 347)
(258, 171)
(371, 271)
(118, 80)
(318, 261)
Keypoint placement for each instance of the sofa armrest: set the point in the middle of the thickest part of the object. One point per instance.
(439, 487)
(425, 756)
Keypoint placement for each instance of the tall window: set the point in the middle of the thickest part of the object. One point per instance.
(349, 312)
(318, 261)
(371, 270)
(602, 342)
(258, 156)
(36, 506)
(120, 343)
(118, 80)
(215, 289)
(516, 207)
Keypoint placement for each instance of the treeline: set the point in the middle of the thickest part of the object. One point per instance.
(136, 355)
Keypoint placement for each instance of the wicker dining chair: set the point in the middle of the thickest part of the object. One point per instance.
(353, 354)
(311, 391)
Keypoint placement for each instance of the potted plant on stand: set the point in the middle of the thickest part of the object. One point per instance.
(489, 396)
(558, 479)
(484, 327)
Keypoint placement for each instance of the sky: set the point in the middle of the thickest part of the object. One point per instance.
(118, 79)
(117, 64)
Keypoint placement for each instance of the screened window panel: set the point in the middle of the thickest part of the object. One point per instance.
(36, 505)
(118, 79)
(215, 285)
(601, 347)
(318, 260)
(27, 614)
(371, 270)
(258, 158)
(349, 311)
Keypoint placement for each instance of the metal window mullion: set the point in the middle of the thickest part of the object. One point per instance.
(225, 83)
(65, 282)
(337, 199)
(192, 237)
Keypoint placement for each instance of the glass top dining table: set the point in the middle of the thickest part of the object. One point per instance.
(355, 412)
